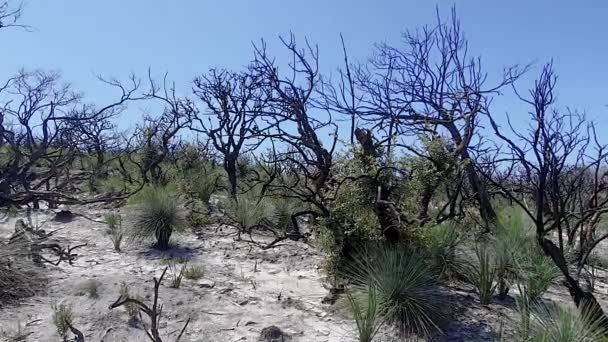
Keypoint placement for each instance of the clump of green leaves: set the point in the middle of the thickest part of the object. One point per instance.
(194, 272)
(441, 242)
(158, 218)
(367, 312)
(132, 309)
(177, 274)
(115, 230)
(62, 318)
(483, 273)
(558, 323)
(92, 288)
(405, 285)
(248, 211)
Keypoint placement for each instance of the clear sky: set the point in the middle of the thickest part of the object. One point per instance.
(82, 38)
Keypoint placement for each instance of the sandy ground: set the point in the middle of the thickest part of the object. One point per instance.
(244, 290)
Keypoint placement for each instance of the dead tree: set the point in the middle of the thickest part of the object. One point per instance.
(429, 86)
(38, 137)
(155, 140)
(289, 123)
(549, 160)
(153, 312)
(233, 102)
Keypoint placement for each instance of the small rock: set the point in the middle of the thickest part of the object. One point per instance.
(206, 284)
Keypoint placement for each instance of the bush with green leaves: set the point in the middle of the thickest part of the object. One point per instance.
(115, 230)
(559, 323)
(158, 216)
(201, 183)
(513, 241)
(406, 286)
(194, 272)
(284, 209)
(441, 242)
(248, 210)
(62, 318)
(482, 274)
(368, 312)
(131, 308)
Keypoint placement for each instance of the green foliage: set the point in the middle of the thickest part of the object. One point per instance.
(406, 286)
(159, 216)
(367, 313)
(194, 272)
(558, 323)
(112, 184)
(177, 274)
(284, 208)
(523, 302)
(248, 211)
(92, 288)
(518, 256)
(537, 272)
(62, 317)
(115, 230)
(132, 309)
(483, 273)
(441, 242)
(201, 183)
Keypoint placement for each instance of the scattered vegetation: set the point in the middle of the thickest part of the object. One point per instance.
(483, 273)
(153, 312)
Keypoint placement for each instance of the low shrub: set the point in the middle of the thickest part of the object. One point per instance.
(406, 286)
(159, 216)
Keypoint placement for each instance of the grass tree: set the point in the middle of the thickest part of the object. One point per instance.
(405, 287)
(159, 216)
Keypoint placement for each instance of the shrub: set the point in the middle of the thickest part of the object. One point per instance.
(158, 217)
(406, 286)
(62, 318)
(92, 288)
(194, 272)
(112, 220)
(284, 208)
(131, 308)
(177, 274)
(537, 272)
(441, 242)
(367, 315)
(115, 230)
(513, 244)
(248, 211)
(202, 184)
(482, 274)
(557, 323)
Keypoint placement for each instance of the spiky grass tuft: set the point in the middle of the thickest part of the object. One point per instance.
(158, 218)
(406, 286)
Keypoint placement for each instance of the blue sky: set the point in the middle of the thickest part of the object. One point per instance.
(114, 37)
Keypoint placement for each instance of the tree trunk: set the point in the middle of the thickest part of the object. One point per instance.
(581, 297)
(231, 170)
